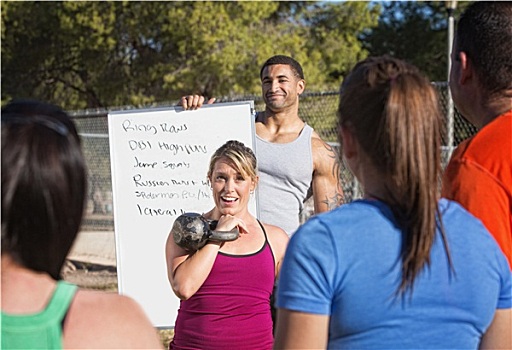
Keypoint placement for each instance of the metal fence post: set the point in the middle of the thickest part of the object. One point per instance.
(450, 7)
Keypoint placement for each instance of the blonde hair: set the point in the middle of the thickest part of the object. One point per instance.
(240, 156)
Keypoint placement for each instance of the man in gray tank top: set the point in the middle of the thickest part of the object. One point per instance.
(293, 161)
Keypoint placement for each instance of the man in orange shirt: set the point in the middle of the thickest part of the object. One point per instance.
(479, 175)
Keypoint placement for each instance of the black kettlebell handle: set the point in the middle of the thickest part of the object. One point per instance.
(192, 231)
(222, 236)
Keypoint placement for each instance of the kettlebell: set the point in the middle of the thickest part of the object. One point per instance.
(192, 231)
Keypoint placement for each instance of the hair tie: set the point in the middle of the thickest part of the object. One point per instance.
(50, 123)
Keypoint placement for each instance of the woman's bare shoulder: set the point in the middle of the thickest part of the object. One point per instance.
(276, 235)
(108, 320)
(112, 302)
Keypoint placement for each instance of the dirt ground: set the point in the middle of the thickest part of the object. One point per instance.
(91, 276)
(104, 278)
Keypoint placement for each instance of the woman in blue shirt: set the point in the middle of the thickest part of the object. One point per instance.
(400, 268)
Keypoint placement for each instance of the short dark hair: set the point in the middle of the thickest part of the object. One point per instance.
(287, 60)
(44, 185)
(484, 33)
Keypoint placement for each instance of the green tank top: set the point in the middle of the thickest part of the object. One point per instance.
(42, 330)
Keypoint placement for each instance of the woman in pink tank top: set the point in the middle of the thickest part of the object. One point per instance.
(225, 287)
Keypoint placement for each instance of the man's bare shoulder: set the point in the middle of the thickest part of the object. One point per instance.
(260, 128)
(322, 150)
(317, 141)
(327, 190)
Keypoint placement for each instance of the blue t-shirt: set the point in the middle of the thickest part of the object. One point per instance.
(346, 264)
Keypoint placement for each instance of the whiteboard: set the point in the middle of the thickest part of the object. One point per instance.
(159, 160)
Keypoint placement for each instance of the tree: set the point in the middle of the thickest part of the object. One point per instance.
(60, 51)
(415, 31)
(110, 53)
(333, 36)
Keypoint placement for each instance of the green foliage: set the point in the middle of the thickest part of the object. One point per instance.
(111, 53)
(217, 47)
(415, 31)
(332, 38)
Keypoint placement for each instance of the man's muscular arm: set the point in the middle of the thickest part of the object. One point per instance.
(327, 190)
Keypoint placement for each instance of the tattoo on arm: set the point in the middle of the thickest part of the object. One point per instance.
(338, 197)
(333, 202)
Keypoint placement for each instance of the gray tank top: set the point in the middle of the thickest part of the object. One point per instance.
(286, 172)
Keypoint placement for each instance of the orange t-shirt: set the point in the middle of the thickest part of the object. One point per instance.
(479, 176)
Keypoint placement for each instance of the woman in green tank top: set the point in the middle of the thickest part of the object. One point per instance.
(44, 186)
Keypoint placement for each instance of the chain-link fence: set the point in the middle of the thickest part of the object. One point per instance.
(317, 109)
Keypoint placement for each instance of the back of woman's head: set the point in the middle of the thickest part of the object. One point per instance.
(43, 185)
(393, 112)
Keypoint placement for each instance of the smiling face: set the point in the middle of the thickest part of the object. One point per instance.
(280, 87)
(231, 191)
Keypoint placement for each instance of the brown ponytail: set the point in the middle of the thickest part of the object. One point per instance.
(394, 112)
